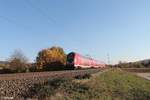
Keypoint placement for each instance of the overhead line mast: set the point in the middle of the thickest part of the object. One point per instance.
(108, 58)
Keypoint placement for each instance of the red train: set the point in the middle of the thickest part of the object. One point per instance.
(78, 61)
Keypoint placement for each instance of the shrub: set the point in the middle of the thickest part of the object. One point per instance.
(18, 62)
(32, 69)
(46, 89)
(84, 76)
(5, 71)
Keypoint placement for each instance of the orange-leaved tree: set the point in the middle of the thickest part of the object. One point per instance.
(53, 58)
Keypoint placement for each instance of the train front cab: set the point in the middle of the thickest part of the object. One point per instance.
(70, 60)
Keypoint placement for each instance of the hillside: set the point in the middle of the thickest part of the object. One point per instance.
(138, 64)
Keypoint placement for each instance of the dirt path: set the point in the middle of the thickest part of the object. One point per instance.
(144, 75)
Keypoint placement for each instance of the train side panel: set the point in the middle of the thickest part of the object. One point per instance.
(83, 62)
(80, 62)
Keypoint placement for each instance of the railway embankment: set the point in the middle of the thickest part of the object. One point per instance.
(113, 84)
(72, 85)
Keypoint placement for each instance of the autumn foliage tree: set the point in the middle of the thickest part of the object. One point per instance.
(53, 58)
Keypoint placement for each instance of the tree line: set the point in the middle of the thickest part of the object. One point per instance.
(138, 64)
(53, 58)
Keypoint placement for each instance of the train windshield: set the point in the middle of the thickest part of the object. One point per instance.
(70, 58)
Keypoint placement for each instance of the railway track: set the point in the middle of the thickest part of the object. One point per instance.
(69, 73)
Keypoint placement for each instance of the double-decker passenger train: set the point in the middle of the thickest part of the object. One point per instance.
(78, 61)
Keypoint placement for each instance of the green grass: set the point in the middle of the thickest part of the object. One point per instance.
(111, 85)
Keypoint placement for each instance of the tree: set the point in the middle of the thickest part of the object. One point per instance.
(18, 61)
(53, 58)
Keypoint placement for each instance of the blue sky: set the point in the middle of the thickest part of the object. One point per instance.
(120, 28)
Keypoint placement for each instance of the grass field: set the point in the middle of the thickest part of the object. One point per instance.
(111, 85)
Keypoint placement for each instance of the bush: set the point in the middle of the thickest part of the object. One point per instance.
(46, 89)
(6, 71)
(18, 62)
(32, 69)
(84, 76)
